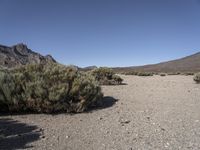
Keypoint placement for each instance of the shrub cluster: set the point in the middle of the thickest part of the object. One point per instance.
(189, 73)
(174, 73)
(106, 76)
(162, 74)
(145, 74)
(47, 88)
(197, 78)
(139, 73)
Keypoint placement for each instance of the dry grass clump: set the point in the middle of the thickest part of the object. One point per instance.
(106, 76)
(197, 78)
(47, 88)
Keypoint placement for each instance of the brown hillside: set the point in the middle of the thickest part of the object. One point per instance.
(186, 64)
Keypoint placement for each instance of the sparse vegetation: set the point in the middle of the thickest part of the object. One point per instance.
(139, 73)
(47, 88)
(131, 73)
(189, 73)
(174, 73)
(162, 74)
(197, 78)
(145, 74)
(106, 76)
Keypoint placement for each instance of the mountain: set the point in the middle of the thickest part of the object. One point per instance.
(187, 64)
(20, 54)
(88, 68)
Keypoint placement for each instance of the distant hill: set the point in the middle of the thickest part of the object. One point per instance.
(20, 54)
(186, 64)
(88, 68)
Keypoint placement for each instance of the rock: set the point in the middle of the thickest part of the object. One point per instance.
(42, 137)
(20, 54)
(123, 122)
(67, 137)
(100, 118)
(162, 129)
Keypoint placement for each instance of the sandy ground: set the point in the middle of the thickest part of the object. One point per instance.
(147, 113)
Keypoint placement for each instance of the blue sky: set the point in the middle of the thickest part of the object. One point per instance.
(103, 32)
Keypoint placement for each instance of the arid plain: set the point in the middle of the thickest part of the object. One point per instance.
(145, 113)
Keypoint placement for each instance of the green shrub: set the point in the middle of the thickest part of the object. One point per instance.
(197, 78)
(174, 73)
(189, 73)
(162, 74)
(139, 73)
(145, 74)
(131, 73)
(106, 76)
(47, 88)
(117, 79)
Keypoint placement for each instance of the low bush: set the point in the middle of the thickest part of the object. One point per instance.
(139, 73)
(197, 78)
(162, 74)
(106, 76)
(145, 74)
(47, 88)
(117, 79)
(174, 73)
(189, 73)
(131, 73)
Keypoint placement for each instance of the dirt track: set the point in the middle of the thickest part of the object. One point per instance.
(147, 113)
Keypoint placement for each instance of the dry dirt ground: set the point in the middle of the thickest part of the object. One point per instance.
(147, 113)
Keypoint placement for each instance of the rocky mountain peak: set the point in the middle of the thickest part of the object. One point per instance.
(20, 54)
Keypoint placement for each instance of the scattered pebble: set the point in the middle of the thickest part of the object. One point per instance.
(123, 122)
(148, 118)
(162, 129)
(67, 136)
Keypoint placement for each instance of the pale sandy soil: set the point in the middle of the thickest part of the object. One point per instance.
(147, 113)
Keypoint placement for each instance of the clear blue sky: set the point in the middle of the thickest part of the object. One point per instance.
(103, 32)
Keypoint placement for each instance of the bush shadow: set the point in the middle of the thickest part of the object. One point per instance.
(16, 135)
(106, 102)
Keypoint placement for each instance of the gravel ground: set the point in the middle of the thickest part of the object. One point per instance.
(147, 113)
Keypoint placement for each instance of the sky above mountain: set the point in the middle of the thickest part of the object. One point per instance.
(103, 32)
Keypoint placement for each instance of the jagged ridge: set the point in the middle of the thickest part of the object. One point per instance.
(20, 54)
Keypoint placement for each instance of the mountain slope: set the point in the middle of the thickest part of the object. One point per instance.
(20, 55)
(186, 64)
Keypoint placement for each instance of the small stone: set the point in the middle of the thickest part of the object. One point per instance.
(162, 129)
(167, 145)
(123, 122)
(67, 136)
(42, 137)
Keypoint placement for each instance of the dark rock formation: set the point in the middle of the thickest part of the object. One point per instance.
(20, 54)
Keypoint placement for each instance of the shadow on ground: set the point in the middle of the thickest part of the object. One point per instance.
(16, 135)
(106, 102)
